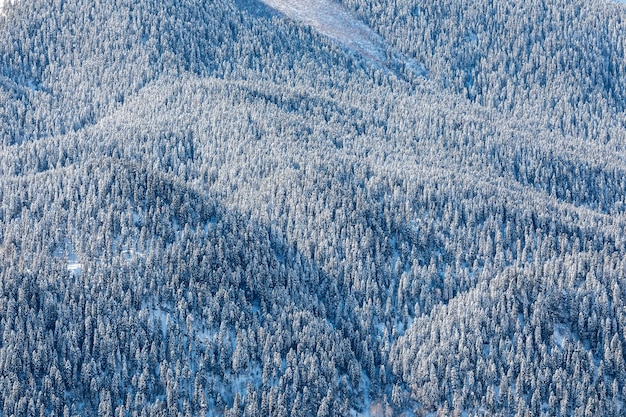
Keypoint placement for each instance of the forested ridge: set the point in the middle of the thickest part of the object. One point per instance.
(208, 208)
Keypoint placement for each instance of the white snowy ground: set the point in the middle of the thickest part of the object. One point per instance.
(2, 3)
(332, 20)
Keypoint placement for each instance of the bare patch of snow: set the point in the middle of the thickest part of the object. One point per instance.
(561, 332)
(378, 408)
(66, 252)
(75, 267)
(332, 20)
(3, 3)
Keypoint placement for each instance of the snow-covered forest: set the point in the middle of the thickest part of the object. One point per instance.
(233, 208)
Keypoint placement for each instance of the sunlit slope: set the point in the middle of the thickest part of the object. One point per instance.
(332, 20)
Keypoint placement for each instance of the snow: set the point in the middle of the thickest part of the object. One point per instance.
(2, 3)
(562, 331)
(75, 267)
(66, 253)
(332, 20)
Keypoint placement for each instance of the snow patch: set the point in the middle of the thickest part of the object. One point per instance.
(66, 252)
(332, 20)
(3, 3)
(75, 267)
(561, 332)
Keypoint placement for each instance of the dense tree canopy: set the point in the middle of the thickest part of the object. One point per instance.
(209, 209)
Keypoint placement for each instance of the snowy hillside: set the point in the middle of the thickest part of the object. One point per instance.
(248, 208)
(332, 20)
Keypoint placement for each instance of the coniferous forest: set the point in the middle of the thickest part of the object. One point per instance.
(327, 208)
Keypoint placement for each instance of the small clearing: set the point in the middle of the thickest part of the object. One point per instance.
(332, 20)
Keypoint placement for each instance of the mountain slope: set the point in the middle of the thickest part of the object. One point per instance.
(331, 20)
(270, 224)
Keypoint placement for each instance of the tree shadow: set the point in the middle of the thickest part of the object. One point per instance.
(255, 8)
